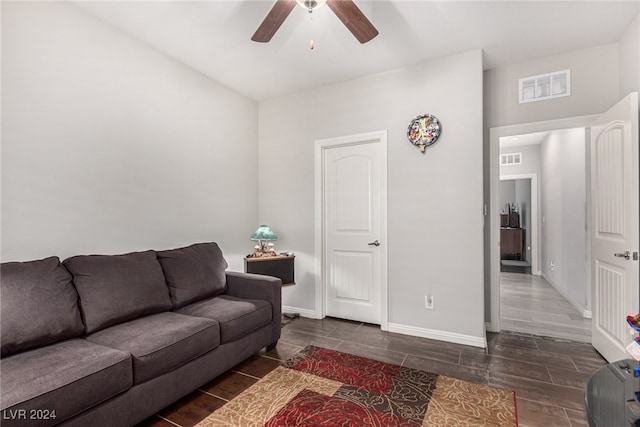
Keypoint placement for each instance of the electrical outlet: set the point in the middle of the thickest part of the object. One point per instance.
(552, 266)
(428, 302)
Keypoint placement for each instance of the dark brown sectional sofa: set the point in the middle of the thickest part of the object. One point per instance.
(108, 340)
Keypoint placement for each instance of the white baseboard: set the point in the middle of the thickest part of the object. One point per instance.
(438, 335)
(303, 312)
(583, 311)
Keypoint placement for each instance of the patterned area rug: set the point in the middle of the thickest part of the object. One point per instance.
(321, 387)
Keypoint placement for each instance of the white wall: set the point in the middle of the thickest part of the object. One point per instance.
(530, 160)
(563, 193)
(629, 54)
(109, 146)
(594, 87)
(434, 200)
(507, 193)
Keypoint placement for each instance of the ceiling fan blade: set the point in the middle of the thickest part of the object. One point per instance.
(273, 20)
(353, 18)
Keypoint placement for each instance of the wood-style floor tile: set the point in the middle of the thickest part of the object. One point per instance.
(475, 375)
(293, 337)
(375, 339)
(426, 342)
(529, 304)
(257, 366)
(229, 385)
(568, 378)
(375, 353)
(155, 421)
(512, 340)
(283, 351)
(587, 363)
(564, 346)
(536, 414)
(540, 391)
(324, 326)
(192, 409)
(577, 418)
(427, 351)
(534, 356)
(507, 366)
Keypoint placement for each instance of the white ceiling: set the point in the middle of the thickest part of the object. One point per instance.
(521, 140)
(214, 36)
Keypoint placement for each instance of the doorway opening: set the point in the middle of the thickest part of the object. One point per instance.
(535, 228)
(519, 223)
(547, 299)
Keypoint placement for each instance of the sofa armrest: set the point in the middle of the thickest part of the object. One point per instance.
(253, 286)
(257, 286)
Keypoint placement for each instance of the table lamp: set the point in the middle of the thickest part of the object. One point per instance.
(263, 235)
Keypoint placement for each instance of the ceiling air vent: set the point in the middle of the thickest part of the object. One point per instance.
(545, 86)
(510, 159)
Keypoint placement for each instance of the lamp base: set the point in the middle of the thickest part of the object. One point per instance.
(260, 254)
(264, 249)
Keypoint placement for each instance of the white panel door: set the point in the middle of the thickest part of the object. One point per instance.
(352, 226)
(614, 199)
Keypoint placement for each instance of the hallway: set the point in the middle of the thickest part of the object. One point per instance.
(531, 305)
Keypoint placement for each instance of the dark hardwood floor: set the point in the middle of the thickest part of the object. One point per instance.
(548, 375)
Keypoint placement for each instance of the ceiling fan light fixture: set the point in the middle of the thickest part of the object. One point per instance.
(311, 5)
(346, 11)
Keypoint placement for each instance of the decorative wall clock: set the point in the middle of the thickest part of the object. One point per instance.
(424, 131)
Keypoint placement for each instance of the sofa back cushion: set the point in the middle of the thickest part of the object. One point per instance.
(117, 288)
(39, 305)
(194, 273)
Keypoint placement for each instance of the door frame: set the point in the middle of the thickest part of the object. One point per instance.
(495, 134)
(535, 241)
(321, 145)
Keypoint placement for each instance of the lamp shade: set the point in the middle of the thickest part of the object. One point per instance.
(264, 233)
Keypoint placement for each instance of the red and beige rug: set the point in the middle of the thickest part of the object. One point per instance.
(321, 387)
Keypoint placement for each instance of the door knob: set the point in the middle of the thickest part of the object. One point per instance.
(376, 243)
(626, 255)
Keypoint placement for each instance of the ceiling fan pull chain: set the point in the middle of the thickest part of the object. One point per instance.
(311, 4)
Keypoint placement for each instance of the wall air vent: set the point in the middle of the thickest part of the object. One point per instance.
(544, 86)
(510, 159)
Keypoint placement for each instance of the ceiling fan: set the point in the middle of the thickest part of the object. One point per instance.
(346, 10)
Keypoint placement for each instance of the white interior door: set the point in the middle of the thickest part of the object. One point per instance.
(353, 261)
(614, 200)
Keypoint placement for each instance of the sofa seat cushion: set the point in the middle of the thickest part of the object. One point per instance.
(237, 316)
(161, 342)
(43, 287)
(194, 273)
(67, 377)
